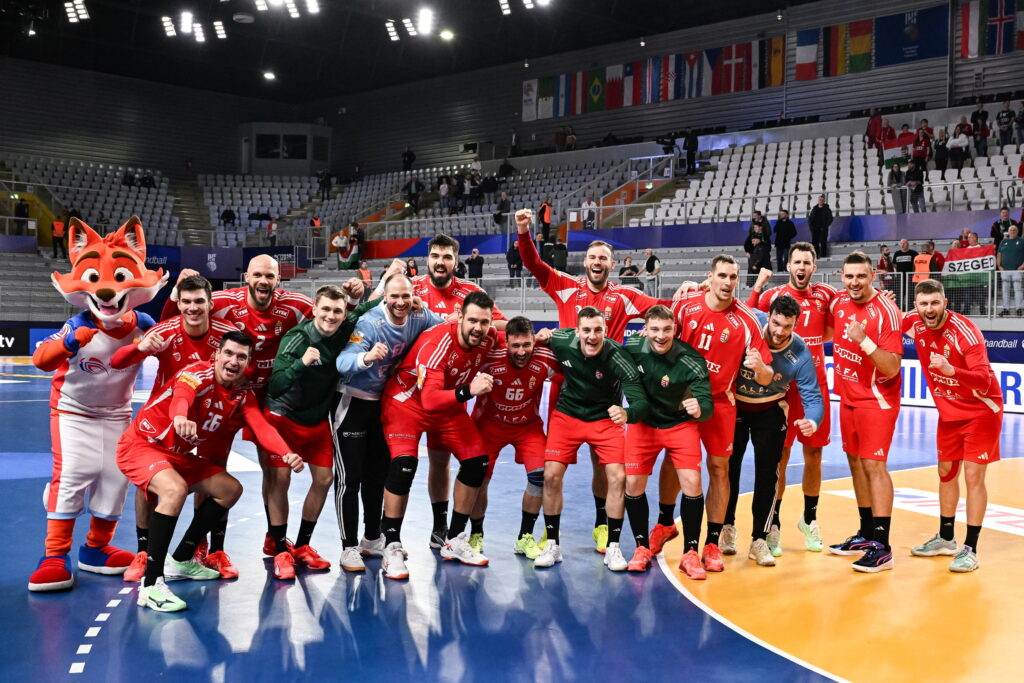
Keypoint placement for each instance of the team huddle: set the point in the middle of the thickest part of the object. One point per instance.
(348, 389)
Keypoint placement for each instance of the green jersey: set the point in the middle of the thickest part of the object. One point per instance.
(594, 384)
(670, 378)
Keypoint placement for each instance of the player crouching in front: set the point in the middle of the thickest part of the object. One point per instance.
(155, 453)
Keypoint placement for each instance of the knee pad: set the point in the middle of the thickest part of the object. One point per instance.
(400, 475)
(473, 471)
(535, 482)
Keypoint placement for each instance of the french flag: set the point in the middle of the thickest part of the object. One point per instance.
(807, 54)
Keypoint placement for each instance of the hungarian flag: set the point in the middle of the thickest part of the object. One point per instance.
(969, 266)
(834, 50)
(987, 27)
(807, 55)
(632, 82)
(861, 33)
(613, 87)
(595, 90)
(895, 153)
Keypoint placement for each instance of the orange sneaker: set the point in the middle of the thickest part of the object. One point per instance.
(220, 561)
(712, 558)
(269, 546)
(660, 535)
(202, 551)
(691, 566)
(284, 566)
(310, 558)
(641, 561)
(137, 569)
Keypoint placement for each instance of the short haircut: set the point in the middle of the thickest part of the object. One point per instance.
(443, 241)
(237, 336)
(784, 305)
(858, 257)
(930, 243)
(588, 312)
(929, 286)
(601, 243)
(659, 312)
(393, 276)
(803, 246)
(723, 258)
(477, 298)
(519, 326)
(196, 282)
(333, 292)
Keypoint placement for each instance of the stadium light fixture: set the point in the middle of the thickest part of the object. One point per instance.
(218, 27)
(543, 3)
(269, 75)
(169, 27)
(425, 21)
(505, 9)
(197, 29)
(410, 28)
(80, 10)
(446, 34)
(312, 6)
(392, 30)
(293, 11)
(261, 6)
(276, 3)
(31, 28)
(186, 22)
(69, 8)
(643, 43)
(528, 4)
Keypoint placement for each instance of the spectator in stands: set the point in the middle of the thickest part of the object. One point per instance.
(979, 115)
(928, 264)
(609, 140)
(315, 223)
(691, 145)
(272, 232)
(965, 237)
(758, 258)
(785, 233)
(921, 150)
(489, 186)
(628, 273)
(873, 132)
(885, 267)
(475, 266)
(412, 190)
(474, 193)
(914, 180)
(514, 260)
(1010, 263)
(977, 293)
(570, 139)
(475, 166)
(1001, 227)
(59, 236)
(759, 219)
(1019, 118)
(340, 244)
(958, 146)
(940, 150)
(896, 181)
(923, 126)
(21, 212)
(408, 158)
(903, 263)
(560, 256)
(966, 127)
(366, 276)
(514, 146)
(460, 269)
(443, 190)
(148, 181)
(358, 231)
(981, 135)
(589, 211)
(544, 217)
(503, 209)
(819, 220)
(411, 269)
(506, 169)
(652, 273)
(357, 174)
(228, 217)
(324, 181)
(905, 137)
(1004, 123)
(128, 179)
(755, 230)
(103, 220)
(885, 134)
(546, 250)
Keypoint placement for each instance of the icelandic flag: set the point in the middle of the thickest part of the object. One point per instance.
(1000, 34)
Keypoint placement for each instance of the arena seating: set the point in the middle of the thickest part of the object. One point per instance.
(252, 194)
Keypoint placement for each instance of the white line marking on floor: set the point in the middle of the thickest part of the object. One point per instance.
(84, 649)
(126, 590)
(102, 616)
(92, 631)
(113, 603)
(77, 668)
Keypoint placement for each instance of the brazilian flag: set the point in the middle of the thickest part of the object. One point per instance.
(595, 90)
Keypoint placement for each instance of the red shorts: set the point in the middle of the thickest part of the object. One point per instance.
(644, 443)
(818, 439)
(140, 460)
(974, 440)
(404, 424)
(718, 433)
(434, 442)
(566, 434)
(867, 432)
(528, 439)
(315, 444)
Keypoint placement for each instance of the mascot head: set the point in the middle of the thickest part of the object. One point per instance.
(108, 274)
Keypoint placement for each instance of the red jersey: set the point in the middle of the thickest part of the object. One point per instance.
(515, 398)
(973, 390)
(215, 409)
(435, 367)
(722, 337)
(813, 320)
(618, 303)
(179, 348)
(856, 379)
(266, 328)
(446, 301)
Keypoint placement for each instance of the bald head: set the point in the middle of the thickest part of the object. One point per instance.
(261, 279)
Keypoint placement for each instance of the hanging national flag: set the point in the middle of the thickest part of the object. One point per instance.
(632, 83)
(1020, 30)
(776, 61)
(972, 25)
(546, 98)
(696, 81)
(530, 100)
(860, 46)
(613, 87)
(651, 91)
(756, 71)
(577, 92)
(731, 71)
(1000, 36)
(595, 90)
(562, 90)
(807, 55)
(668, 78)
(833, 50)
(766, 62)
(912, 35)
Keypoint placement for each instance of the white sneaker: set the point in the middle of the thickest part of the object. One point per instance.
(727, 540)
(550, 556)
(458, 548)
(760, 553)
(393, 564)
(352, 559)
(775, 540)
(613, 558)
(374, 548)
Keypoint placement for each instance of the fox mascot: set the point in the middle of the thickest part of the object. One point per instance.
(90, 401)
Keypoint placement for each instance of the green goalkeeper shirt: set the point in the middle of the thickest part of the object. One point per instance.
(670, 378)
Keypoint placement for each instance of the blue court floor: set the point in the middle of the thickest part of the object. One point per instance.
(506, 622)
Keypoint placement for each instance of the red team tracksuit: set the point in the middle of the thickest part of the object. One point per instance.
(810, 325)
(970, 403)
(723, 338)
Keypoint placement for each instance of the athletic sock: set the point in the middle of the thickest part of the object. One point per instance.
(277, 534)
(667, 514)
(972, 537)
(881, 530)
(526, 525)
(392, 528)
(458, 524)
(142, 538)
(220, 528)
(810, 509)
(476, 526)
(205, 517)
(161, 528)
(638, 512)
(440, 509)
(614, 529)
(714, 531)
(775, 515)
(266, 513)
(305, 532)
(865, 523)
(600, 516)
(947, 525)
(551, 523)
(691, 509)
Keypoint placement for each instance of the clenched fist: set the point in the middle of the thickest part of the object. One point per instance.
(481, 384)
(311, 356)
(378, 352)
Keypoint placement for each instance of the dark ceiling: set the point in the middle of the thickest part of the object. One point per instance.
(343, 49)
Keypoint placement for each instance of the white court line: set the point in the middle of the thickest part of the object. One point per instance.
(126, 590)
(92, 631)
(113, 603)
(77, 668)
(102, 616)
(84, 649)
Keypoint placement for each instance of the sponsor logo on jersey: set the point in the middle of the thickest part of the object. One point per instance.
(713, 367)
(880, 453)
(239, 313)
(946, 351)
(92, 366)
(846, 354)
(279, 313)
(207, 403)
(517, 382)
(264, 364)
(261, 328)
(454, 371)
(499, 370)
(566, 363)
(983, 456)
(733, 320)
(194, 356)
(790, 356)
(710, 327)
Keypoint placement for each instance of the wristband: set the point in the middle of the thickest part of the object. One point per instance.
(462, 393)
(868, 346)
